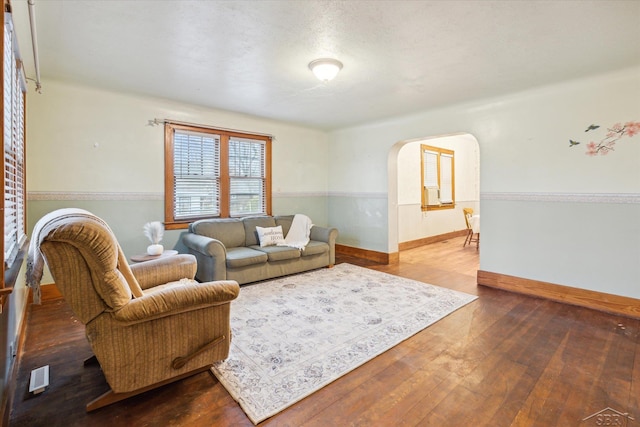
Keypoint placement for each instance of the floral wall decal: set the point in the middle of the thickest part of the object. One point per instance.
(608, 142)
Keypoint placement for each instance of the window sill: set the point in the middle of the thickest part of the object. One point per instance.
(11, 272)
(438, 208)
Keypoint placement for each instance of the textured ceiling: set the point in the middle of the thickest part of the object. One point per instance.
(399, 56)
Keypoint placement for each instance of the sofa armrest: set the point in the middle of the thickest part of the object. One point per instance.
(323, 234)
(179, 298)
(164, 270)
(327, 235)
(211, 256)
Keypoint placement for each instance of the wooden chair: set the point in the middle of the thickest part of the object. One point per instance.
(471, 236)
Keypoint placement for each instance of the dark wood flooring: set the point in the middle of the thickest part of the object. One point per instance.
(503, 360)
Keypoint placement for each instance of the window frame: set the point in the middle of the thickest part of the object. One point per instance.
(14, 158)
(440, 152)
(225, 180)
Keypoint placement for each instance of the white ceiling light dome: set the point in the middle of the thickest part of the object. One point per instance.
(325, 69)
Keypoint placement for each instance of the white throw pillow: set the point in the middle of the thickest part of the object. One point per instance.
(270, 236)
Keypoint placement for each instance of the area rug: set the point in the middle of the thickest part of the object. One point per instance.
(294, 335)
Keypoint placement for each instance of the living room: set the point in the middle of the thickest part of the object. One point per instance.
(551, 213)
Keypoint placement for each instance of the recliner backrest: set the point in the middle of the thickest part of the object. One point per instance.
(87, 265)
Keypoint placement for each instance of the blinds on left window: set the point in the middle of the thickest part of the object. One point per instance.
(14, 88)
(196, 174)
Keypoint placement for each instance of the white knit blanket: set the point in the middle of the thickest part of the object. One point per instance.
(298, 235)
(35, 261)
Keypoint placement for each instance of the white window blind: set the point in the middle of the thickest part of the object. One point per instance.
(196, 174)
(446, 178)
(246, 176)
(430, 162)
(13, 136)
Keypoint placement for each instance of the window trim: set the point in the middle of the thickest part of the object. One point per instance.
(169, 200)
(440, 152)
(10, 270)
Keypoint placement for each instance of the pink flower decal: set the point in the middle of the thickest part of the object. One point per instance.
(632, 128)
(612, 136)
(617, 128)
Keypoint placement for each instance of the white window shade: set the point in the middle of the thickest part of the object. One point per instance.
(247, 176)
(196, 174)
(446, 178)
(13, 136)
(430, 164)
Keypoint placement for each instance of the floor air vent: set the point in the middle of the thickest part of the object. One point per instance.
(39, 380)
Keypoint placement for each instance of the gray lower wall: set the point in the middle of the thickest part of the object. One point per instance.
(361, 219)
(127, 216)
(589, 242)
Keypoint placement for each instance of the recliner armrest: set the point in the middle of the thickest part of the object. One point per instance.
(164, 270)
(179, 298)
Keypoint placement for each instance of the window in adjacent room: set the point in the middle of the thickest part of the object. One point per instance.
(438, 182)
(215, 173)
(13, 88)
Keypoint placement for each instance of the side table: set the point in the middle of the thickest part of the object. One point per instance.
(147, 257)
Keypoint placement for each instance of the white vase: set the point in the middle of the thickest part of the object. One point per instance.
(155, 249)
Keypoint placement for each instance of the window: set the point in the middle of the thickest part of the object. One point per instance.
(215, 173)
(13, 88)
(438, 178)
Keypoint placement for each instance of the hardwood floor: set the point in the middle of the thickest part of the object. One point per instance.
(503, 360)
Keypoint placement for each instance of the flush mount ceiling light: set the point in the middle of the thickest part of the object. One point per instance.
(325, 69)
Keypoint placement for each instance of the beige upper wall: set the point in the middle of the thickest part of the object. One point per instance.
(82, 139)
(520, 133)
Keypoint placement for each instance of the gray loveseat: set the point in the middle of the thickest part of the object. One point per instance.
(229, 249)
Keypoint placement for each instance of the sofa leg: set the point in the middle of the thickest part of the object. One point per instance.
(330, 266)
(112, 397)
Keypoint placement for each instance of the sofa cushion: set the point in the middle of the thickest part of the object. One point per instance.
(250, 224)
(285, 221)
(314, 248)
(241, 257)
(279, 253)
(230, 231)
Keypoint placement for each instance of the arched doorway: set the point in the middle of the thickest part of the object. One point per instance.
(407, 220)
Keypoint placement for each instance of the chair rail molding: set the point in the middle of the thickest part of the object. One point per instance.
(80, 195)
(359, 195)
(621, 198)
(296, 194)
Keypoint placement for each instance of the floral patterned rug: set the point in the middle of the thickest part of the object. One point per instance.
(296, 334)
